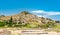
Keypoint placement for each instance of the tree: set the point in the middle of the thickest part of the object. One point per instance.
(50, 24)
(57, 21)
(25, 12)
(10, 22)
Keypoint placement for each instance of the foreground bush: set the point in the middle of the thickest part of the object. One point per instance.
(2, 24)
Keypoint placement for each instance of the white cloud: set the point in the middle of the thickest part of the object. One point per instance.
(38, 11)
(46, 12)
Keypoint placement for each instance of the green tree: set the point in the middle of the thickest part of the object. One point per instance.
(10, 22)
(25, 12)
(50, 24)
(57, 21)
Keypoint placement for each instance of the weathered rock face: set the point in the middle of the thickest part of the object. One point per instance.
(25, 17)
(5, 32)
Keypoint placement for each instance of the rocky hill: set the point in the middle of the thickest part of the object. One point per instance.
(27, 18)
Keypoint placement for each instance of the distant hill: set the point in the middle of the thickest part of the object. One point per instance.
(2, 15)
(28, 18)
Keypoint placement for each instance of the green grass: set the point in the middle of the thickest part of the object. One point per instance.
(57, 26)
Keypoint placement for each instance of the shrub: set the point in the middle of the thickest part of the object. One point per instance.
(2, 24)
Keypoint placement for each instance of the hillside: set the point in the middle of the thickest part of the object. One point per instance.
(25, 17)
(28, 19)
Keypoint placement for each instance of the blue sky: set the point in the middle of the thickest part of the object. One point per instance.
(10, 7)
